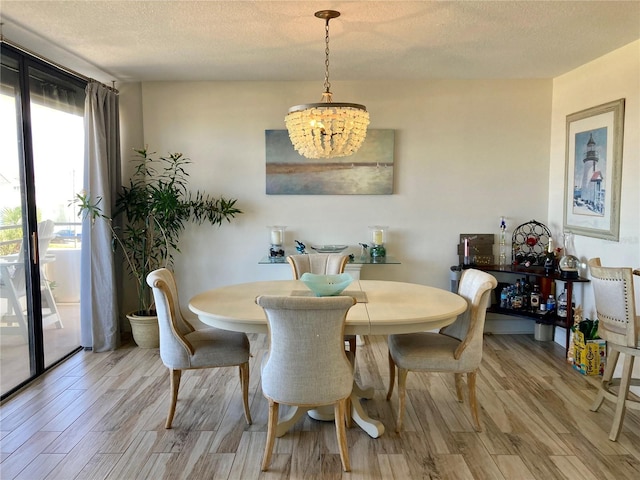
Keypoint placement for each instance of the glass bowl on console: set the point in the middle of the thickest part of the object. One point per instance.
(328, 248)
(326, 285)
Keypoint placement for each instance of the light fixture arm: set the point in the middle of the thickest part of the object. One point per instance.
(327, 129)
(326, 15)
(327, 83)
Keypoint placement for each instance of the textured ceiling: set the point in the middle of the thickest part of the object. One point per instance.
(266, 40)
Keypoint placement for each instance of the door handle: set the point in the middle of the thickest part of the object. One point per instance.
(34, 248)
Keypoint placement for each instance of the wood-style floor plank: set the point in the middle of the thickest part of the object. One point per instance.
(101, 416)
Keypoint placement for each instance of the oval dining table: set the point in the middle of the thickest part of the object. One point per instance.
(382, 308)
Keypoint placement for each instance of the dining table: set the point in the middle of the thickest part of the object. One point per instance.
(382, 308)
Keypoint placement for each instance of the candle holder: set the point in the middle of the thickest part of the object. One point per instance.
(378, 234)
(276, 240)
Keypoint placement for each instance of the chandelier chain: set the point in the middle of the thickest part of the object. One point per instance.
(327, 83)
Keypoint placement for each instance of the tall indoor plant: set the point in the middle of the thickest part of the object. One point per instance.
(151, 213)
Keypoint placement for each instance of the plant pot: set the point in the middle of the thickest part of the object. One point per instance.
(146, 332)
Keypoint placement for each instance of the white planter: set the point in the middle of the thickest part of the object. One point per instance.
(145, 330)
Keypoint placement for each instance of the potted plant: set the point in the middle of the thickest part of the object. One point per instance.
(154, 210)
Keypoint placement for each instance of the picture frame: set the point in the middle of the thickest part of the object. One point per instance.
(593, 171)
(369, 171)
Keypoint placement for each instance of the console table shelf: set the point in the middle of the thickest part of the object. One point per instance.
(542, 317)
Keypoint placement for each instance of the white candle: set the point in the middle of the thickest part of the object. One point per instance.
(276, 237)
(377, 237)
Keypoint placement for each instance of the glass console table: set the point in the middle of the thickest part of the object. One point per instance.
(357, 260)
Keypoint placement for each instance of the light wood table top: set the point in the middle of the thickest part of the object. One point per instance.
(390, 307)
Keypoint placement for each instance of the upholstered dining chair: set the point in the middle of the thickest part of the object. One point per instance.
(456, 348)
(182, 347)
(619, 325)
(306, 364)
(321, 264)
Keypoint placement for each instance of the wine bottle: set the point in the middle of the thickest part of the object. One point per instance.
(549, 259)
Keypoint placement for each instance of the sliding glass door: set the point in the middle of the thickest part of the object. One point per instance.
(41, 161)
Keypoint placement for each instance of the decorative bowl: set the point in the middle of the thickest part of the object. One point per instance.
(328, 248)
(326, 285)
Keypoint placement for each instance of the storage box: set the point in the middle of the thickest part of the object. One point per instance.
(589, 357)
(480, 248)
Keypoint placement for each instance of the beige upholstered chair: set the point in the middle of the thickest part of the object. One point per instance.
(619, 325)
(182, 347)
(321, 264)
(306, 364)
(457, 348)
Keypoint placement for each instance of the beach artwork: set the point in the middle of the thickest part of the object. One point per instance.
(369, 171)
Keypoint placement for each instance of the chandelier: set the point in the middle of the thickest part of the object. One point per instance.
(327, 129)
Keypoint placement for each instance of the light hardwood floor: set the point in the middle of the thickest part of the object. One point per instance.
(101, 416)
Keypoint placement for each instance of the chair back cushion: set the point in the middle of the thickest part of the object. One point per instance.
(306, 363)
(174, 348)
(475, 287)
(318, 263)
(615, 304)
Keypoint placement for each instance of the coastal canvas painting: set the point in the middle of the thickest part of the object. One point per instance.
(369, 171)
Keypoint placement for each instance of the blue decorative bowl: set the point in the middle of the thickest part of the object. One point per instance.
(326, 285)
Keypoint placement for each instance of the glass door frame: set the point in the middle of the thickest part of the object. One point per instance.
(29, 209)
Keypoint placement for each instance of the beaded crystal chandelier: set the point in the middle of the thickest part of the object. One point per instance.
(327, 129)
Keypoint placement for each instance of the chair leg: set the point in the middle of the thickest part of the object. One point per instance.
(392, 376)
(612, 360)
(352, 345)
(272, 424)
(458, 378)
(623, 392)
(473, 401)
(341, 433)
(174, 375)
(244, 384)
(402, 391)
(347, 413)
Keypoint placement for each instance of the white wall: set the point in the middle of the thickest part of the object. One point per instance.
(466, 153)
(613, 76)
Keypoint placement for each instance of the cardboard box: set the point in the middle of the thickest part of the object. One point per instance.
(589, 357)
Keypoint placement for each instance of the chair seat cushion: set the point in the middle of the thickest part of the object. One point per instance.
(217, 347)
(427, 352)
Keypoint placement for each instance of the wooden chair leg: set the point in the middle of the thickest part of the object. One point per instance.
(272, 423)
(612, 360)
(402, 391)
(392, 376)
(352, 345)
(458, 378)
(174, 376)
(341, 433)
(244, 384)
(347, 413)
(473, 401)
(623, 392)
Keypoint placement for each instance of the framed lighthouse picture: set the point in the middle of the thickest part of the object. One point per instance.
(593, 171)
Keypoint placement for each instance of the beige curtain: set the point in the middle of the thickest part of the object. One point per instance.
(98, 295)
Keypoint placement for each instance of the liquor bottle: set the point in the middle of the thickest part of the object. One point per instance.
(502, 259)
(526, 294)
(534, 298)
(549, 259)
(562, 304)
(516, 301)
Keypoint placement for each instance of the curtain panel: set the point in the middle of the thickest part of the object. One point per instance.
(98, 290)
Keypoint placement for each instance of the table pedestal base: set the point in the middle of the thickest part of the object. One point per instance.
(372, 427)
